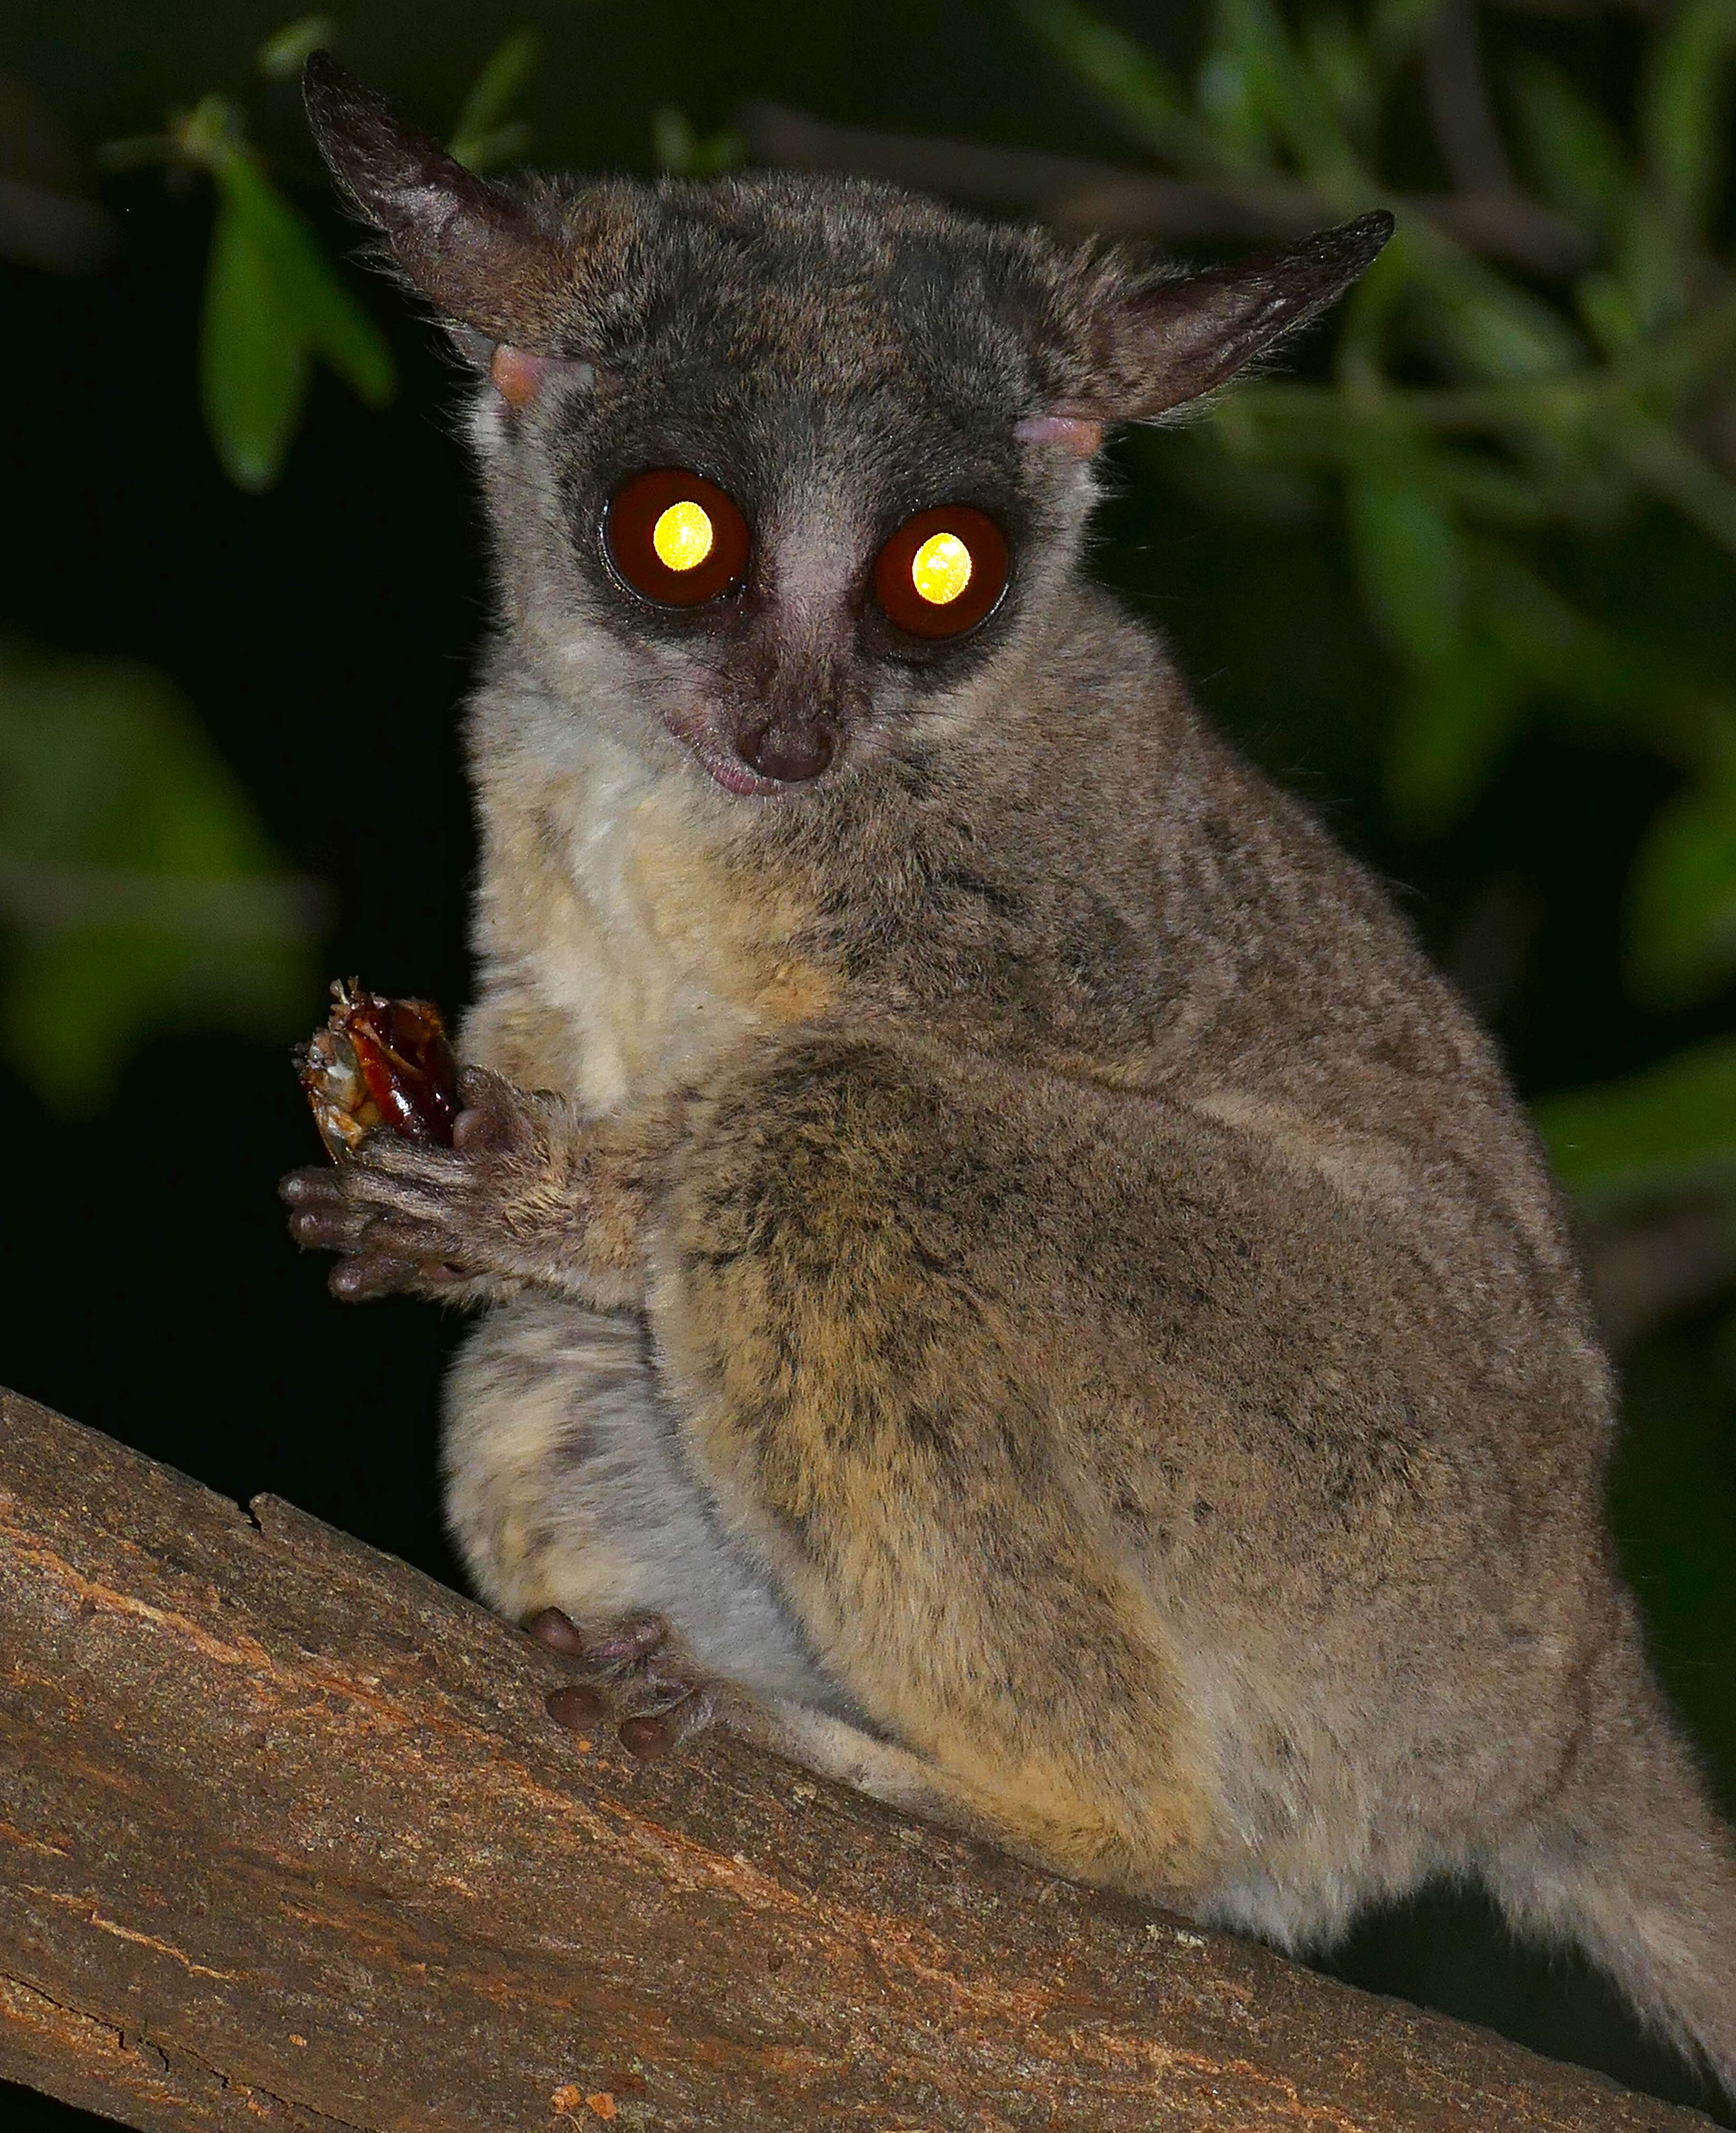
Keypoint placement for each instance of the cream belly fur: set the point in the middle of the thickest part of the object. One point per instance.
(620, 952)
(567, 1485)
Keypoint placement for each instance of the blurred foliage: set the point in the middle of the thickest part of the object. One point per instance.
(1481, 425)
(272, 305)
(486, 134)
(685, 154)
(1664, 1131)
(137, 891)
(275, 303)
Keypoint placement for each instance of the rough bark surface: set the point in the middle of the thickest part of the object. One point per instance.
(286, 1838)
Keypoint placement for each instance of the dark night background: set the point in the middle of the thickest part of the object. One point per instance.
(324, 631)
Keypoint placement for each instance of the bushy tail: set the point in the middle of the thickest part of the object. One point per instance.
(1628, 1860)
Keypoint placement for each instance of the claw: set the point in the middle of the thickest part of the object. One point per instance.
(623, 1644)
(556, 1630)
(481, 1127)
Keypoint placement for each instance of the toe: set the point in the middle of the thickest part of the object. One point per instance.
(660, 1732)
(322, 1229)
(558, 1631)
(625, 1644)
(356, 1280)
(480, 1128)
(309, 1187)
(577, 1707)
(610, 1650)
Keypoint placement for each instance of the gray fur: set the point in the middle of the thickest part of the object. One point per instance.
(1002, 1239)
(567, 1485)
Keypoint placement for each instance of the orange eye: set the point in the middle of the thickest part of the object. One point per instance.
(942, 571)
(675, 538)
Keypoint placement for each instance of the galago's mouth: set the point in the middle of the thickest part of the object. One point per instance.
(731, 773)
(725, 765)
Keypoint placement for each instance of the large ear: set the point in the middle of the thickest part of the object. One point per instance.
(468, 246)
(1156, 346)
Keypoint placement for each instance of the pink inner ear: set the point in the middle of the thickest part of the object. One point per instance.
(1077, 434)
(517, 376)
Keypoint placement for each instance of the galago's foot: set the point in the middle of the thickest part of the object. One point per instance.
(635, 1679)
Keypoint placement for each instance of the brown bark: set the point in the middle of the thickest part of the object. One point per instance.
(288, 1839)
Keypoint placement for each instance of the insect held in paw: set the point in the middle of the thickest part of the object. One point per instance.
(379, 1062)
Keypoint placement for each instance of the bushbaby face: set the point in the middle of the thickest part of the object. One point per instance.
(779, 469)
(787, 481)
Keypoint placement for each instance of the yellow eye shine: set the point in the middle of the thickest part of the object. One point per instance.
(940, 569)
(942, 572)
(683, 535)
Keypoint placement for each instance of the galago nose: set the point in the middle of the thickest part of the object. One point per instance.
(791, 755)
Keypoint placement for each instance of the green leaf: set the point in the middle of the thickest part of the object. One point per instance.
(1661, 461)
(1480, 323)
(1682, 109)
(76, 1005)
(1450, 735)
(685, 154)
(1281, 87)
(1606, 304)
(1136, 88)
(137, 890)
(1682, 899)
(1339, 61)
(1576, 153)
(1673, 1126)
(672, 140)
(482, 137)
(252, 363)
(283, 54)
(1408, 559)
(1225, 93)
(1397, 27)
(1605, 678)
(1657, 271)
(505, 144)
(322, 314)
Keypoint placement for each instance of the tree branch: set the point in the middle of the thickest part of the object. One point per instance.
(288, 1839)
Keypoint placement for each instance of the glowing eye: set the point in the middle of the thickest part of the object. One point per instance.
(940, 569)
(674, 537)
(682, 536)
(942, 572)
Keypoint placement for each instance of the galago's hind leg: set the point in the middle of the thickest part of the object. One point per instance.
(566, 1487)
(635, 1676)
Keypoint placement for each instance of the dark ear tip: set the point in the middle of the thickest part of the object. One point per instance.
(1366, 237)
(323, 81)
(338, 103)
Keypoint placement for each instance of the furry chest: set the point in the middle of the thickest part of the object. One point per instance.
(624, 952)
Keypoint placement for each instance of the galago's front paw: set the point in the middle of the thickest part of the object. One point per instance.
(504, 1206)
